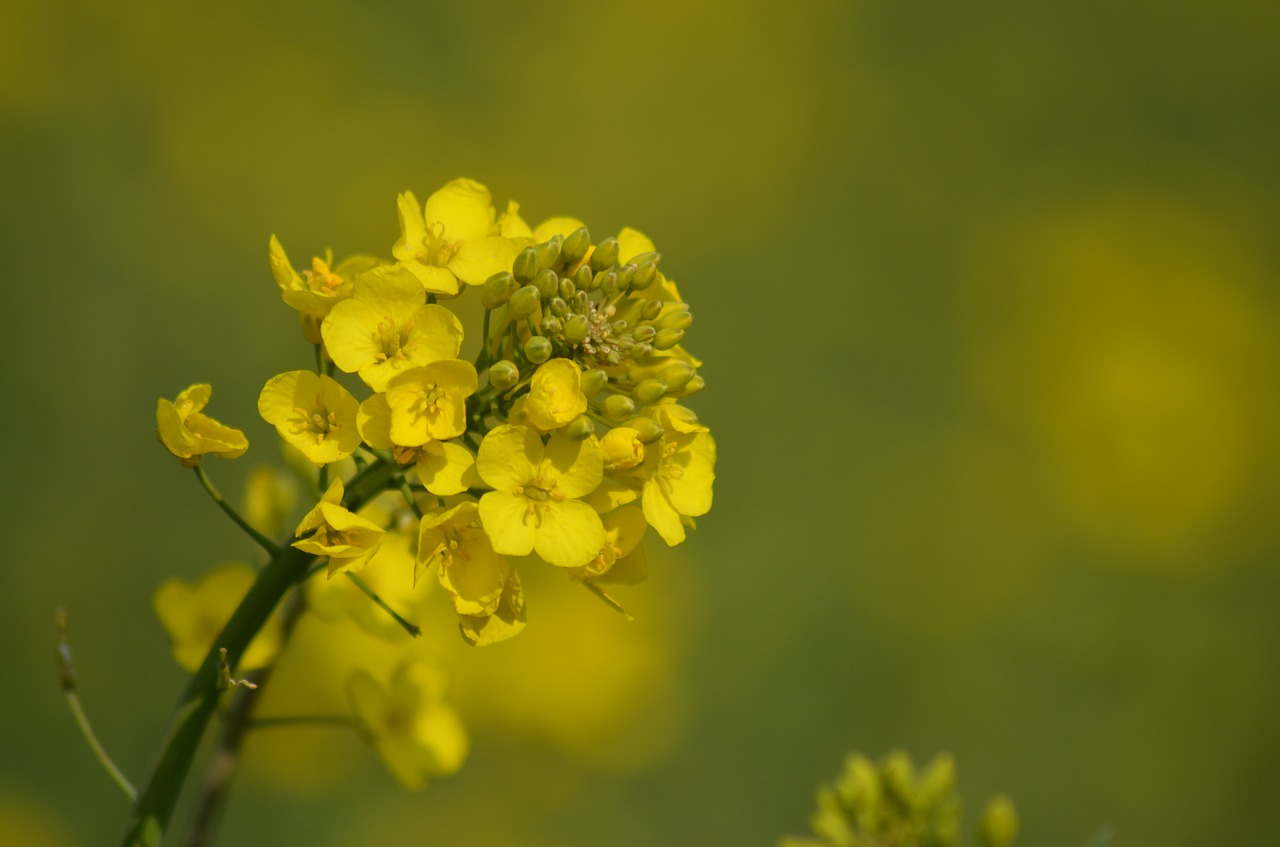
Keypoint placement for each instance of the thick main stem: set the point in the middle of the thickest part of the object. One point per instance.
(156, 802)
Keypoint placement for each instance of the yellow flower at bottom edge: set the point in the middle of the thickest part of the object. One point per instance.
(346, 538)
(415, 733)
(193, 615)
(187, 434)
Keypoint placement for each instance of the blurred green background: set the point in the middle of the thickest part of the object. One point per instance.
(987, 298)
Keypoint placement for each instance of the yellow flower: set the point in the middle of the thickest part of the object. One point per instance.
(313, 293)
(193, 615)
(622, 448)
(621, 559)
(467, 567)
(506, 622)
(454, 238)
(555, 395)
(534, 506)
(415, 733)
(678, 471)
(430, 403)
(387, 327)
(313, 413)
(443, 467)
(187, 434)
(346, 538)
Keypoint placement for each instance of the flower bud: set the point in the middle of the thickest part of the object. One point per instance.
(524, 302)
(567, 289)
(537, 349)
(497, 290)
(594, 380)
(642, 350)
(584, 279)
(526, 265)
(676, 319)
(999, 822)
(607, 281)
(651, 309)
(618, 407)
(504, 375)
(549, 252)
(550, 325)
(576, 329)
(580, 428)
(649, 258)
(645, 272)
(547, 283)
(647, 429)
(648, 392)
(625, 273)
(622, 448)
(605, 255)
(559, 308)
(667, 338)
(644, 333)
(693, 386)
(673, 372)
(576, 245)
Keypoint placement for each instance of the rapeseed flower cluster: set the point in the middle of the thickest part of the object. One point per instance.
(561, 435)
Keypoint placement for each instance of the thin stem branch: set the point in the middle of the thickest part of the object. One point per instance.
(262, 541)
(67, 671)
(411, 628)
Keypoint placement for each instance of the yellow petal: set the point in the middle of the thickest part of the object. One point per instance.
(503, 624)
(464, 208)
(578, 466)
(632, 243)
(556, 226)
(480, 259)
(508, 456)
(475, 577)
(413, 230)
(445, 468)
(507, 520)
(660, 514)
(555, 395)
(374, 422)
(569, 535)
(286, 277)
(434, 280)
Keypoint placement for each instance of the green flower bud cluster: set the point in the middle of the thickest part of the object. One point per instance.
(890, 804)
(621, 322)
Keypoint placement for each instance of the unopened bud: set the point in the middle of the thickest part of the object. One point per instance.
(526, 266)
(676, 319)
(567, 289)
(645, 272)
(550, 325)
(667, 338)
(938, 780)
(647, 429)
(618, 407)
(580, 428)
(497, 290)
(625, 273)
(651, 309)
(584, 279)
(648, 392)
(504, 375)
(646, 258)
(607, 281)
(537, 349)
(693, 386)
(559, 308)
(547, 283)
(549, 251)
(900, 778)
(524, 302)
(576, 329)
(606, 254)
(594, 380)
(576, 245)
(641, 351)
(999, 822)
(644, 333)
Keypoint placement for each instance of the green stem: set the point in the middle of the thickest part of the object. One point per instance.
(262, 541)
(152, 812)
(411, 628)
(409, 498)
(68, 671)
(154, 808)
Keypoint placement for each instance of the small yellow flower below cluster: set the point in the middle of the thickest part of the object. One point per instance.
(346, 538)
(193, 615)
(187, 434)
(313, 413)
(415, 732)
